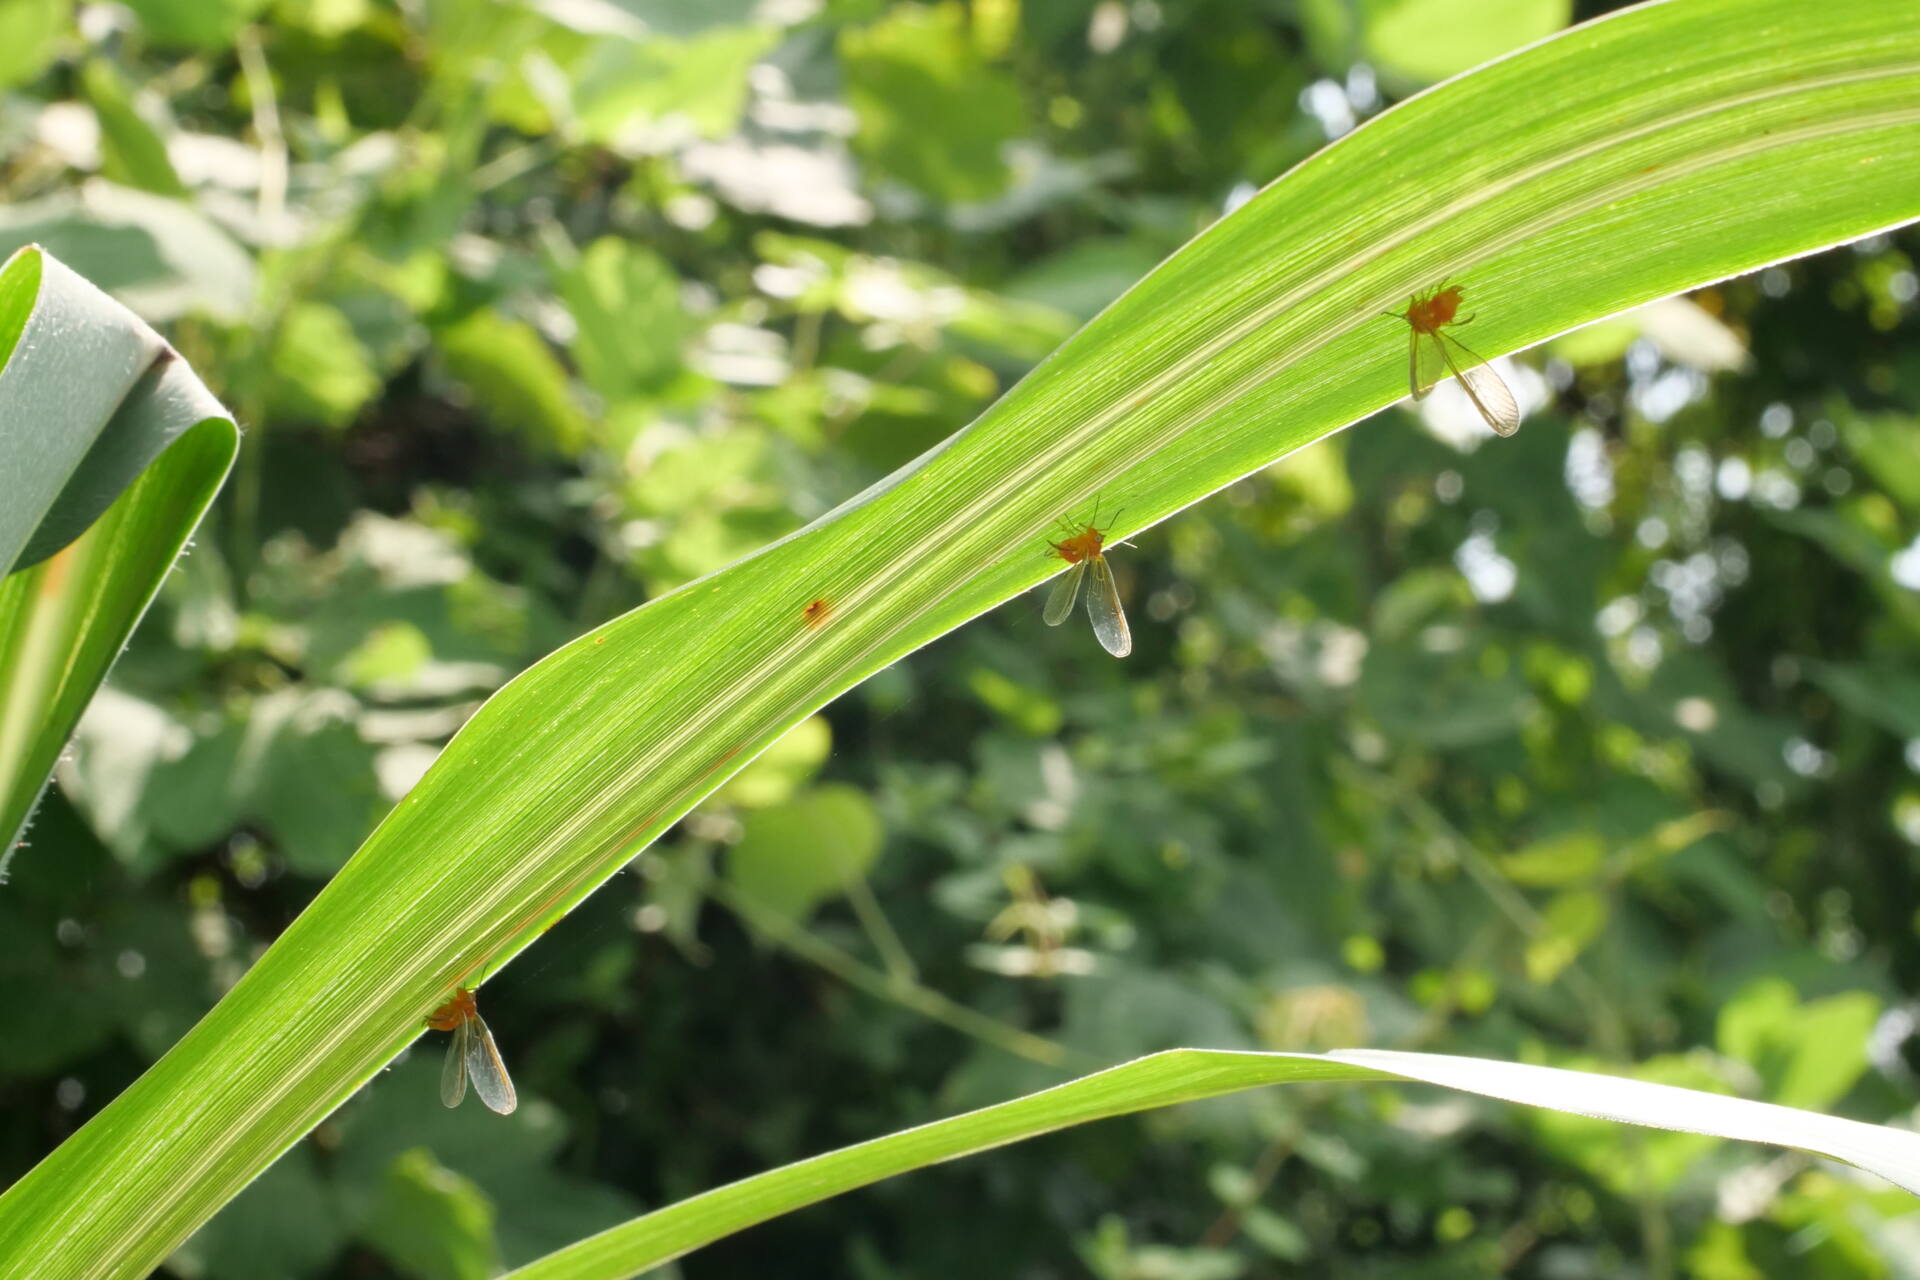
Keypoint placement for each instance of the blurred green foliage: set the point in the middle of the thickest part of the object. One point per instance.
(1595, 747)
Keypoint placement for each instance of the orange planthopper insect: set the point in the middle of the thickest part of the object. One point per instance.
(1434, 355)
(1082, 551)
(471, 1053)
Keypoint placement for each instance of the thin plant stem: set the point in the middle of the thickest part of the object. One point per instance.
(805, 945)
(1272, 1158)
(272, 203)
(886, 939)
(1609, 1028)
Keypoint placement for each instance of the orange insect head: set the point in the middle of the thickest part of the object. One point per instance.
(455, 1011)
(1084, 545)
(1081, 549)
(1428, 312)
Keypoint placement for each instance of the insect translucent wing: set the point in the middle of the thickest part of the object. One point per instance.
(1483, 386)
(1426, 363)
(1103, 606)
(488, 1072)
(1490, 396)
(453, 1075)
(1421, 380)
(1060, 602)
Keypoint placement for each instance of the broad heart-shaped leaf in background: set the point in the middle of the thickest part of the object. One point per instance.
(110, 451)
(1560, 185)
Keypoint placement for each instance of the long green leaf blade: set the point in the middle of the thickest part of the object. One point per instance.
(1189, 1075)
(1561, 185)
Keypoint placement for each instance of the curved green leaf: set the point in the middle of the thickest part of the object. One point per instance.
(1188, 1075)
(75, 355)
(1560, 185)
(113, 450)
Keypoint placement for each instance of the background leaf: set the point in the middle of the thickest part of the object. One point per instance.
(794, 855)
(916, 70)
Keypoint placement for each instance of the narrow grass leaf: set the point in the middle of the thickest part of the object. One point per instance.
(1188, 1075)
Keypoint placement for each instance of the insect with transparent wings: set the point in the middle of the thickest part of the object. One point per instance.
(471, 1054)
(1434, 355)
(1081, 549)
